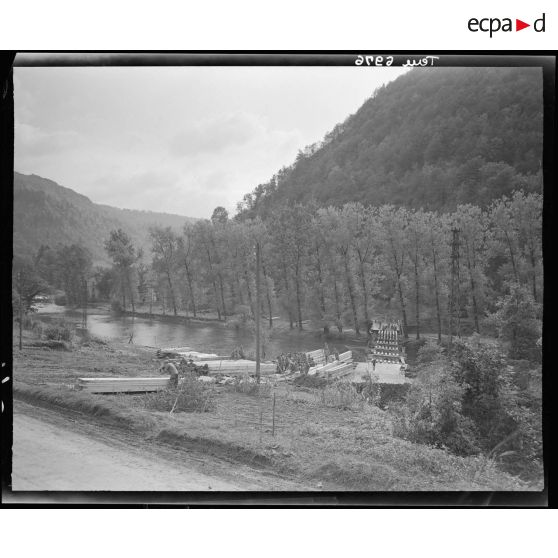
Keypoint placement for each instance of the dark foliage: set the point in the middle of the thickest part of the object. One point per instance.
(432, 138)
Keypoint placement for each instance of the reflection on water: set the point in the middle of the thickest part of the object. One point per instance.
(206, 337)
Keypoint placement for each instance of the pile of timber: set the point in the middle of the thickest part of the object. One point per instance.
(318, 356)
(341, 366)
(122, 385)
(187, 353)
(237, 367)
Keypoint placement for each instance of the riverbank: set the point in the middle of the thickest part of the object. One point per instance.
(332, 444)
(206, 335)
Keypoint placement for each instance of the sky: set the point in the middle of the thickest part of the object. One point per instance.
(180, 140)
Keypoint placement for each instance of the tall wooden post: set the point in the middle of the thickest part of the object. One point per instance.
(84, 303)
(257, 313)
(19, 287)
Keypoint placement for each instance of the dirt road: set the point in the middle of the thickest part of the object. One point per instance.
(53, 451)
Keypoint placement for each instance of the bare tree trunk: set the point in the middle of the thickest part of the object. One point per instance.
(321, 289)
(473, 289)
(222, 291)
(351, 293)
(129, 281)
(288, 291)
(268, 297)
(437, 295)
(248, 290)
(173, 300)
(216, 295)
(123, 287)
(364, 287)
(417, 308)
(337, 306)
(298, 299)
(398, 272)
(402, 302)
(190, 288)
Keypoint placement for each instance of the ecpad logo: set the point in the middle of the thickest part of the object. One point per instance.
(494, 24)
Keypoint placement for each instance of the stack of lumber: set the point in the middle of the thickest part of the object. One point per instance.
(194, 355)
(232, 367)
(187, 353)
(122, 385)
(317, 356)
(337, 368)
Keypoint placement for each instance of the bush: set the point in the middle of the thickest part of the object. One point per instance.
(238, 353)
(384, 395)
(59, 331)
(294, 362)
(249, 386)
(190, 396)
(341, 395)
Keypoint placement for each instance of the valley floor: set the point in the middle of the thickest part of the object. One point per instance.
(311, 446)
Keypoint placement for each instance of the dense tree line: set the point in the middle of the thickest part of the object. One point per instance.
(434, 137)
(339, 267)
(333, 268)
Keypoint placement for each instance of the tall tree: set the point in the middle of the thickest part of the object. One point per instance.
(123, 253)
(165, 253)
(393, 222)
(75, 267)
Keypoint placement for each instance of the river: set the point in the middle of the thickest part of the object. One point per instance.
(214, 337)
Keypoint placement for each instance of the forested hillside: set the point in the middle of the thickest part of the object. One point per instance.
(433, 138)
(46, 213)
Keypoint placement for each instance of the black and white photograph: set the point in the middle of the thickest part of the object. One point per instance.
(277, 277)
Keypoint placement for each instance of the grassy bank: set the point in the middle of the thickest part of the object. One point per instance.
(335, 447)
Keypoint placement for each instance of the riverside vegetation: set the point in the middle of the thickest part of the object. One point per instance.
(433, 438)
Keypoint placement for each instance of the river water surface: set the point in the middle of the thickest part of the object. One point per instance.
(213, 337)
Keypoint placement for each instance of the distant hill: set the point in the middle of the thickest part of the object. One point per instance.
(47, 213)
(433, 138)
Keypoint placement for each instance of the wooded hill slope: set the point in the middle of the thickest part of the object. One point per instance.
(433, 138)
(47, 213)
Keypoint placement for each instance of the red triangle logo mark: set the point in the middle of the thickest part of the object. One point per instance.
(519, 25)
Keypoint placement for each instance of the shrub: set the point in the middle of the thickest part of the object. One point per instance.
(341, 395)
(294, 362)
(249, 386)
(190, 396)
(383, 395)
(59, 331)
(238, 353)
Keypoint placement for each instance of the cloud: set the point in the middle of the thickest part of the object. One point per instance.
(216, 135)
(35, 142)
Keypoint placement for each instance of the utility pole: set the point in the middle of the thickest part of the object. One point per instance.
(257, 316)
(19, 288)
(84, 303)
(455, 293)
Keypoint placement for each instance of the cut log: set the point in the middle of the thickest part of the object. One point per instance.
(122, 385)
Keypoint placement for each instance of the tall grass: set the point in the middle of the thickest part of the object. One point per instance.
(249, 386)
(341, 395)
